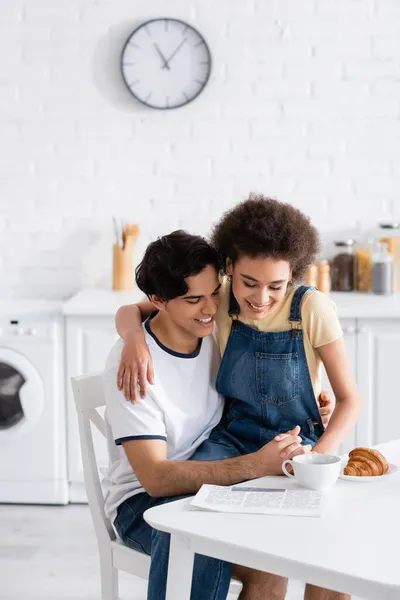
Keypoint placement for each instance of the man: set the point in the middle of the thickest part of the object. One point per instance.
(157, 436)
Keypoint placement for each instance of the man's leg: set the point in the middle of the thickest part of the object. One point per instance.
(258, 585)
(211, 577)
(313, 592)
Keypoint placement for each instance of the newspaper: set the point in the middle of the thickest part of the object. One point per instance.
(258, 500)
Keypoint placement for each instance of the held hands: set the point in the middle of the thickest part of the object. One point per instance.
(135, 368)
(282, 447)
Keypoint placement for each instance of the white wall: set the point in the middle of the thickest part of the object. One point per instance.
(303, 104)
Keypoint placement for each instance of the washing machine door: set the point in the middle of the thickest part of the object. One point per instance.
(21, 395)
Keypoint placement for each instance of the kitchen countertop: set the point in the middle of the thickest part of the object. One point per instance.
(15, 308)
(350, 305)
(366, 306)
(100, 302)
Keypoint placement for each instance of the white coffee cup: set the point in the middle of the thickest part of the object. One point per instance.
(314, 471)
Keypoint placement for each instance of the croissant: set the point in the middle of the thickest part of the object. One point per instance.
(366, 462)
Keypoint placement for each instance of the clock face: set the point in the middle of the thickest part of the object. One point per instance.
(165, 63)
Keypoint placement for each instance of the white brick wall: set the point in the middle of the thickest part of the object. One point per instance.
(303, 104)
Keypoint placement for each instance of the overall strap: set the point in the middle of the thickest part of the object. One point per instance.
(234, 308)
(295, 307)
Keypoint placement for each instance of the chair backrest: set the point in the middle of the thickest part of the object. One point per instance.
(89, 395)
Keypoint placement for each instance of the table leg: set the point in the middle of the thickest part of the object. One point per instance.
(180, 569)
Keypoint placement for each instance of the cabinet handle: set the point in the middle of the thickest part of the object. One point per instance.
(350, 329)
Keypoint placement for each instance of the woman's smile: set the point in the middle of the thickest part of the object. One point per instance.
(259, 308)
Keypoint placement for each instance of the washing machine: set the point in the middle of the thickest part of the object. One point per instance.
(33, 458)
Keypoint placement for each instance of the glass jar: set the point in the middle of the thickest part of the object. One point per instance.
(364, 265)
(382, 270)
(343, 267)
(311, 276)
(324, 278)
(389, 233)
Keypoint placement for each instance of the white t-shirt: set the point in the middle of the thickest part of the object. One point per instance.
(182, 407)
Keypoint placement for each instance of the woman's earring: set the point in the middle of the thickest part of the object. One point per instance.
(230, 278)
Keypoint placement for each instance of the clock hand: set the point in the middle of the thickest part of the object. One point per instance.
(165, 65)
(173, 54)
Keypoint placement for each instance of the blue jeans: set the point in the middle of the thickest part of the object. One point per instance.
(211, 577)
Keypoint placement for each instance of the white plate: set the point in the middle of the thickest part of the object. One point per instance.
(392, 470)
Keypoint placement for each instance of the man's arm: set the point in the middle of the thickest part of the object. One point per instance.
(348, 401)
(162, 477)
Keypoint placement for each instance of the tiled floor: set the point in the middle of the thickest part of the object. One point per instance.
(49, 552)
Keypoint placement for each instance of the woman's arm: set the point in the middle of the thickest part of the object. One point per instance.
(348, 400)
(129, 318)
(136, 366)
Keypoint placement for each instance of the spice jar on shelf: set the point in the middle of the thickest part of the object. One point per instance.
(311, 276)
(324, 277)
(343, 266)
(364, 266)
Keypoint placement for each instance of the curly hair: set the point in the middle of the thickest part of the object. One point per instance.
(169, 260)
(262, 226)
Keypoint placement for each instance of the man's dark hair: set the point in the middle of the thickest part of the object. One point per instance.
(169, 260)
(263, 227)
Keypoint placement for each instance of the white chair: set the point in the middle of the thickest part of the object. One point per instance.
(89, 396)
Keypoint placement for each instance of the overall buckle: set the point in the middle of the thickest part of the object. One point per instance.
(295, 327)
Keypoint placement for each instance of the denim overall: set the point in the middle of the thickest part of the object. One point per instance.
(265, 379)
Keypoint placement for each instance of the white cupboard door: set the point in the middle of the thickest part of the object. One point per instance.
(378, 375)
(89, 341)
(350, 340)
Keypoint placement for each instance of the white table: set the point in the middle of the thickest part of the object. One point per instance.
(354, 548)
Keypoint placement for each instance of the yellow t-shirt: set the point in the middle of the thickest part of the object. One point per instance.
(319, 322)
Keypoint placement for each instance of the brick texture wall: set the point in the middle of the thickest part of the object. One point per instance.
(303, 104)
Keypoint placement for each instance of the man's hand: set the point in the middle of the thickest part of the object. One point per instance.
(135, 368)
(326, 407)
(284, 446)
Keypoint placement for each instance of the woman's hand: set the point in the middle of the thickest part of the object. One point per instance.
(284, 445)
(326, 406)
(135, 368)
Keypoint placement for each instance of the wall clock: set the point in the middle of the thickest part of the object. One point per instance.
(165, 63)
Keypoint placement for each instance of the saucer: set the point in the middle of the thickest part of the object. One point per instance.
(392, 470)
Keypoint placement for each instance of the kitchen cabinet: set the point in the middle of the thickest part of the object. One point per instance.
(378, 349)
(373, 346)
(90, 334)
(88, 340)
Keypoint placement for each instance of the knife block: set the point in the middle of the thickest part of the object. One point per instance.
(122, 272)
